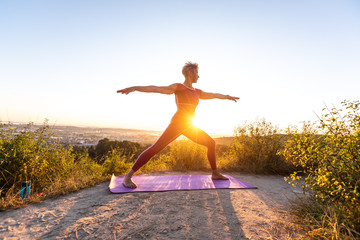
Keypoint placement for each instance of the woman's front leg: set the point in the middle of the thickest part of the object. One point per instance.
(199, 136)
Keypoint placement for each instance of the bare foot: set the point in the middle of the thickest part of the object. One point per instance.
(128, 183)
(218, 176)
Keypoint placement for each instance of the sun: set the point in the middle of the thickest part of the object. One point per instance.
(203, 122)
(213, 123)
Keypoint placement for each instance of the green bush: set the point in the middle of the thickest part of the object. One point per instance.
(329, 154)
(115, 163)
(255, 149)
(31, 156)
(301, 146)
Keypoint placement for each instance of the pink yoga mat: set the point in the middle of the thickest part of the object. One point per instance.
(175, 183)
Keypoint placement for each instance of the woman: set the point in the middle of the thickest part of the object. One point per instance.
(187, 98)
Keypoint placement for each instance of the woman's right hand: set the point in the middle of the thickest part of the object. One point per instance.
(126, 90)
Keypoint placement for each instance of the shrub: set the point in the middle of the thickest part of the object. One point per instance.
(331, 161)
(255, 149)
(31, 155)
(116, 163)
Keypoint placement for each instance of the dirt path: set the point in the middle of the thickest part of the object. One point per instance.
(95, 213)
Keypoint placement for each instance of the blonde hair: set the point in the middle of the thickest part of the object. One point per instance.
(189, 67)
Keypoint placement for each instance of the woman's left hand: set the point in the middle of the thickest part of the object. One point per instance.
(233, 98)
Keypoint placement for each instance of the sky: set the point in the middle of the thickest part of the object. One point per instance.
(65, 60)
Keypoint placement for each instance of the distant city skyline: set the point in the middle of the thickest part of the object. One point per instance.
(64, 60)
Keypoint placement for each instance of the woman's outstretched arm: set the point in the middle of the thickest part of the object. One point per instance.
(206, 95)
(150, 89)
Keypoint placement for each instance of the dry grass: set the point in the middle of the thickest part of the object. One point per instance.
(281, 229)
(320, 220)
(57, 188)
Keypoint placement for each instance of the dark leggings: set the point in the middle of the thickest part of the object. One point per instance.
(173, 131)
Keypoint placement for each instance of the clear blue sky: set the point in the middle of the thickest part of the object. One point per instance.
(64, 60)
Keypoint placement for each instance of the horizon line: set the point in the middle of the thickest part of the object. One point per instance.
(215, 135)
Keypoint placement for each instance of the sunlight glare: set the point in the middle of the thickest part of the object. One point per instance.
(205, 123)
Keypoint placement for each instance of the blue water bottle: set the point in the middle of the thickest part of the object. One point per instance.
(25, 189)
